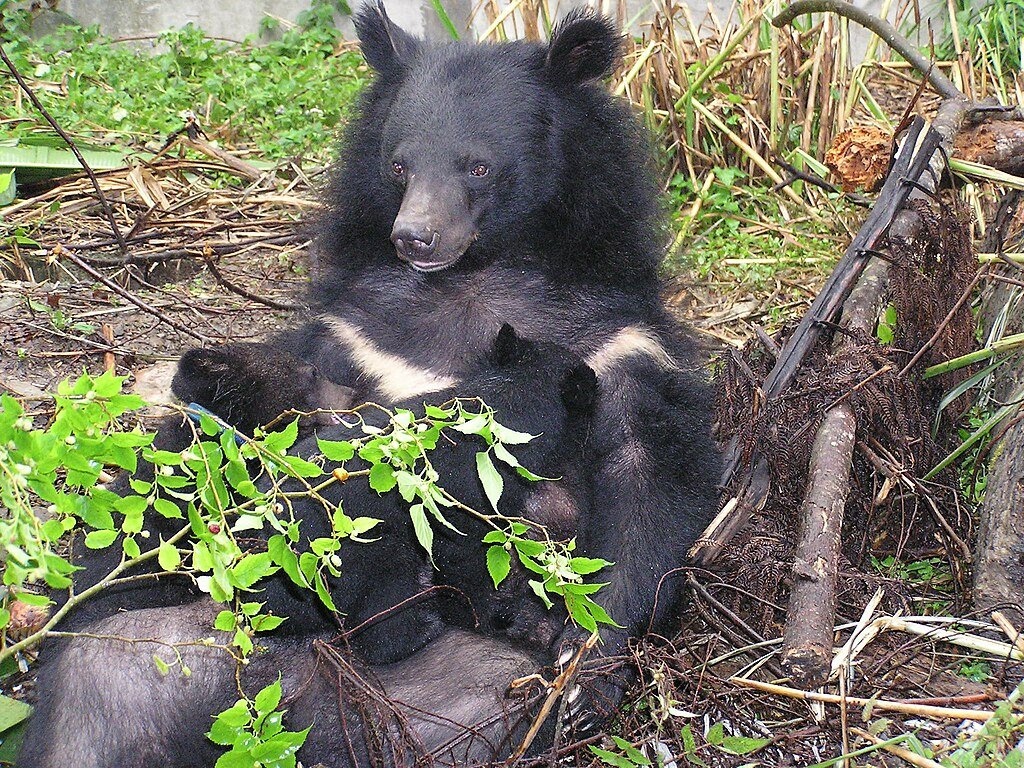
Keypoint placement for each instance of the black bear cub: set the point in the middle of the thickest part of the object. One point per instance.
(540, 389)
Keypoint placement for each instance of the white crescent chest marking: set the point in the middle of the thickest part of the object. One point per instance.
(631, 341)
(396, 377)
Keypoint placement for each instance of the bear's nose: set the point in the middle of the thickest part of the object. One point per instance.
(415, 246)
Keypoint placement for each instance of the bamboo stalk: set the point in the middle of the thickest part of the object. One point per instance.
(900, 752)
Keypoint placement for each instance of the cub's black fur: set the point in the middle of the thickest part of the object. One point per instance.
(540, 389)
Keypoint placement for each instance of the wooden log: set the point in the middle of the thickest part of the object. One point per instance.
(807, 639)
(998, 144)
(999, 552)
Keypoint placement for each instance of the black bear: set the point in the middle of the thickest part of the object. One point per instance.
(540, 389)
(502, 183)
(112, 707)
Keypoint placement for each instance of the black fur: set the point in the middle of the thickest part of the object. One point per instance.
(559, 237)
(565, 246)
(116, 709)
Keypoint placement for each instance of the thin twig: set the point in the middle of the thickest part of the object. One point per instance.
(81, 263)
(234, 288)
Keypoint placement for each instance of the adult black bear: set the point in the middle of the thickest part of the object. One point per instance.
(491, 184)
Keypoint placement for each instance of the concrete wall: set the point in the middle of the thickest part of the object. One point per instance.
(235, 19)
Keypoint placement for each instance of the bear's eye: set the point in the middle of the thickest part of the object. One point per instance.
(480, 170)
(397, 168)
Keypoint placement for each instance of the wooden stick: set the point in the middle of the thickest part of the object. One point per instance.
(107, 332)
(807, 644)
(921, 710)
(900, 752)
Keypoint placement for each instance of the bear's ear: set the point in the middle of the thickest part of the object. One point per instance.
(509, 347)
(579, 389)
(584, 46)
(386, 46)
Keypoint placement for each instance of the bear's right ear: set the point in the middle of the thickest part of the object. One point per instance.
(579, 389)
(387, 47)
(584, 46)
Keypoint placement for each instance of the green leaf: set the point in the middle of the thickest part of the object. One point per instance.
(225, 621)
(742, 745)
(12, 712)
(168, 556)
(251, 569)
(336, 450)
(162, 666)
(489, 477)
(100, 539)
(495, 537)
(587, 565)
(167, 508)
(382, 478)
(267, 623)
(499, 563)
(610, 758)
(268, 699)
(421, 526)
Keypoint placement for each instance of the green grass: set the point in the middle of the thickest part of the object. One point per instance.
(284, 98)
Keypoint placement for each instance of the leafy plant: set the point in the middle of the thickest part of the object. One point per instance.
(210, 488)
(253, 729)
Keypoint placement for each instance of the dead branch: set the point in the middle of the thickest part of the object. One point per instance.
(886, 31)
(220, 278)
(807, 643)
(81, 264)
(239, 166)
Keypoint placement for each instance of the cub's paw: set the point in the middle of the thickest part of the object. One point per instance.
(602, 676)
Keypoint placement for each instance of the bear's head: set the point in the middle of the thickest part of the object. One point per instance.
(468, 152)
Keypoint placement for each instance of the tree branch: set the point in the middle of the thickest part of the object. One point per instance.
(886, 31)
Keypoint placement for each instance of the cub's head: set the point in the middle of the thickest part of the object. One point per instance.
(469, 147)
(538, 386)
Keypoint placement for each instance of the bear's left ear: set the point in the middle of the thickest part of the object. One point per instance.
(584, 46)
(387, 47)
(579, 389)
(509, 347)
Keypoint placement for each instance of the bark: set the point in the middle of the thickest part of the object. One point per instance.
(999, 554)
(807, 640)
(999, 144)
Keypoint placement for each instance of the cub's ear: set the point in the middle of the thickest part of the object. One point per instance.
(509, 347)
(579, 389)
(387, 47)
(584, 46)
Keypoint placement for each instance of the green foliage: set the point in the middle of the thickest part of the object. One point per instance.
(734, 745)
(213, 491)
(285, 95)
(997, 25)
(929, 571)
(886, 330)
(978, 671)
(631, 757)
(212, 488)
(254, 733)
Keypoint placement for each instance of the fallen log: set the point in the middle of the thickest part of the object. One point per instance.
(807, 639)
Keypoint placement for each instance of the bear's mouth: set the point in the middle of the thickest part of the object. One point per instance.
(434, 262)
